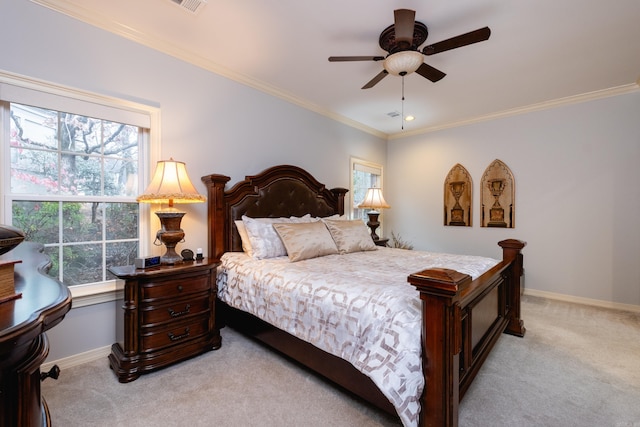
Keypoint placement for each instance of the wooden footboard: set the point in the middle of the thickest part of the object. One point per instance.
(462, 320)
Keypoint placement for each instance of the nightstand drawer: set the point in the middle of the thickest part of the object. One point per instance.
(176, 310)
(156, 338)
(175, 288)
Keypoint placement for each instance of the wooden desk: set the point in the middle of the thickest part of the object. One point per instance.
(23, 342)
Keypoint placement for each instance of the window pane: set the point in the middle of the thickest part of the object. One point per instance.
(122, 220)
(34, 171)
(81, 175)
(121, 253)
(82, 264)
(54, 255)
(120, 140)
(120, 178)
(38, 220)
(82, 222)
(33, 127)
(79, 133)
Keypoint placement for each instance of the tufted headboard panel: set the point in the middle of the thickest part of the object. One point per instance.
(280, 191)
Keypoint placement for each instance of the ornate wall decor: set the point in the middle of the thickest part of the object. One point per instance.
(497, 196)
(457, 197)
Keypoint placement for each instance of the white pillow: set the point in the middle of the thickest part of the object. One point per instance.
(306, 240)
(244, 237)
(265, 242)
(336, 217)
(350, 236)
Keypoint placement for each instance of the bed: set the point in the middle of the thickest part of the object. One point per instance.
(460, 317)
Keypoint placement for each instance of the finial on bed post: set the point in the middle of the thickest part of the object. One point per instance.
(512, 251)
(216, 213)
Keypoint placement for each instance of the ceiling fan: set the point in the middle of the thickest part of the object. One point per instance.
(402, 39)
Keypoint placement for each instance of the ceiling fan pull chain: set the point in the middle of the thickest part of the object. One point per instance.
(402, 116)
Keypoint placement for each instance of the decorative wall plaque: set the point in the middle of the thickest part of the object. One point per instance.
(457, 197)
(497, 196)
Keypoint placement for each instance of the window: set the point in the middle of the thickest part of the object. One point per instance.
(363, 176)
(72, 180)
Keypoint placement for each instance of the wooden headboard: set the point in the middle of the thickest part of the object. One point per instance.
(280, 191)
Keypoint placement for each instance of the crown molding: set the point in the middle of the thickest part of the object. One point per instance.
(569, 100)
(77, 11)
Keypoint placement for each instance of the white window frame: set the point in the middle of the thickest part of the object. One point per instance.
(366, 166)
(25, 90)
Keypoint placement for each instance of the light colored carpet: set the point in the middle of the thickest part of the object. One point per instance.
(576, 366)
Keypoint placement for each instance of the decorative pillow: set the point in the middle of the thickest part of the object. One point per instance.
(264, 241)
(10, 237)
(350, 236)
(306, 240)
(244, 237)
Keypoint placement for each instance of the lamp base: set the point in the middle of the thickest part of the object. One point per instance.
(373, 224)
(170, 235)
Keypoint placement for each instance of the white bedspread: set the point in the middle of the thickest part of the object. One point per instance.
(358, 307)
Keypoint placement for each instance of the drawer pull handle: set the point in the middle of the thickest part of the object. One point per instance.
(54, 373)
(179, 337)
(179, 288)
(186, 310)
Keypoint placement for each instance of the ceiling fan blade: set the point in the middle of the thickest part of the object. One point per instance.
(381, 75)
(458, 41)
(428, 72)
(355, 58)
(404, 23)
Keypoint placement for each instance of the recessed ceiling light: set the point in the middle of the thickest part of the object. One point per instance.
(409, 118)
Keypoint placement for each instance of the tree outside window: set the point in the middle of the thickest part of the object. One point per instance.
(72, 188)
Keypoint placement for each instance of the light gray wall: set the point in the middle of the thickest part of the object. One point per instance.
(213, 124)
(577, 180)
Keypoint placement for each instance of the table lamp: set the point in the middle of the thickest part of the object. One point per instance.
(373, 200)
(170, 184)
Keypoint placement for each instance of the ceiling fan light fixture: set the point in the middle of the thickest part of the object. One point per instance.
(402, 63)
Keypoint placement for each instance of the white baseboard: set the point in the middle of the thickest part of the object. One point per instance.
(79, 359)
(581, 300)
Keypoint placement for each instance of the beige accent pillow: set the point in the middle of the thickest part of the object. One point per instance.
(306, 240)
(262, 240)
(350, 236)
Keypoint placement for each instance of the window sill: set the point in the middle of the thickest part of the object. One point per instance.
(97, 293)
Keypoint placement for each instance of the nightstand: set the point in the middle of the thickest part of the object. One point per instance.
(168, 315)
(381, 242)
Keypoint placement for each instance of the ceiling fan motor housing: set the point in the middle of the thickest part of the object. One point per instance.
(389, 43)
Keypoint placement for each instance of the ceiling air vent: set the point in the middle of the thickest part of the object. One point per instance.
(192, 6)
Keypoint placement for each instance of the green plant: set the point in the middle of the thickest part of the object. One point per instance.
(398, 243)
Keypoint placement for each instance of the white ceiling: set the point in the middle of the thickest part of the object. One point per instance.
(540, 51)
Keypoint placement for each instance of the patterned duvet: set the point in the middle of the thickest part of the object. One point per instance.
(357, 306)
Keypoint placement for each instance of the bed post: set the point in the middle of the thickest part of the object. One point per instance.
(216, 214)
(442, 343)
(339, 194)
(512, 252)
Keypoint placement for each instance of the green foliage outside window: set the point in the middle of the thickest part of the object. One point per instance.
(73, 186)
